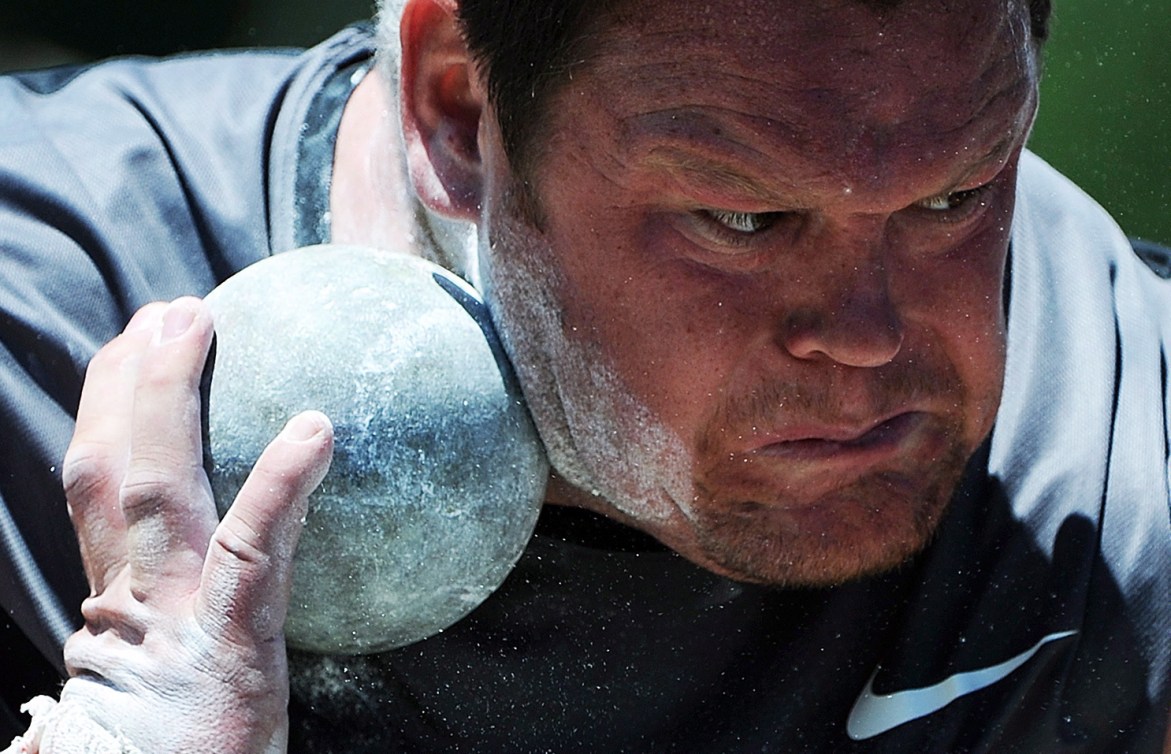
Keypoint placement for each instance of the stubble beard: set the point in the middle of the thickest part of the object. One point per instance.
(868, 526)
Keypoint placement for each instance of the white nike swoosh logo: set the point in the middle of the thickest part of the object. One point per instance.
(877, 713)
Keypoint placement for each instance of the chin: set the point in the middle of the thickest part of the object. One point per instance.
(865, 528)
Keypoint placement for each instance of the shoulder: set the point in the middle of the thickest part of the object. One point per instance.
(161, 165)
(1081, 436)
(1088, 323)
(135, 160)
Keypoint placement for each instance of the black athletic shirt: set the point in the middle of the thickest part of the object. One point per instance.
(1039, 620)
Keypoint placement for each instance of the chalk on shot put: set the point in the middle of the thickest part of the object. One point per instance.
(437, 475)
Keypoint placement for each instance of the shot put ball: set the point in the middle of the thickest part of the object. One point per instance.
(437, 475)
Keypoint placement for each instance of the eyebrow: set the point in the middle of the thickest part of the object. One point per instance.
(721, 177)
(715, 175)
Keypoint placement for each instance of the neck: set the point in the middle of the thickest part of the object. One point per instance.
(369, 199)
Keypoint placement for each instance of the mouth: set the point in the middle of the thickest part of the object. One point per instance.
(824, 443)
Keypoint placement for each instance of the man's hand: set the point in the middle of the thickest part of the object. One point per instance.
(182, 648)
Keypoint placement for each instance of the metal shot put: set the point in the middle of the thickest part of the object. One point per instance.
(437, 475)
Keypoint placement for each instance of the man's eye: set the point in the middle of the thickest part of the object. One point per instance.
(742, 222)
(953, 201)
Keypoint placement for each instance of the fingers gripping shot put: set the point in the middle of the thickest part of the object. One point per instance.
(172, 587)
(437, 473)
(434, 487)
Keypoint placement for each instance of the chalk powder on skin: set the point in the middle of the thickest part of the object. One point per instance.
(598, 435)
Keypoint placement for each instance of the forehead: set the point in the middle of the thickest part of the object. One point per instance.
(923, 76)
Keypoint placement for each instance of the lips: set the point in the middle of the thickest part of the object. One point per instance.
(816, 443)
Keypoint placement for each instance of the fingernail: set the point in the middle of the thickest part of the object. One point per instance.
(177, 319)
(145, 318)
(305, 427)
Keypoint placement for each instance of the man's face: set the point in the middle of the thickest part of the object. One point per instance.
(760, 314)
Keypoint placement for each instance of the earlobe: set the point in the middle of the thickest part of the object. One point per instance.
(441, 109)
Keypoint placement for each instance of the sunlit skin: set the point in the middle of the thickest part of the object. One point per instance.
(777, 238)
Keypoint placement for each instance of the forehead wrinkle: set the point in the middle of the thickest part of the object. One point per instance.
(990, 123)
(1018, 96)
(977, 127)
(792, 113)
(716, 147)
(718, 129)
(755, 129)
(750, 173)
(651, 88)
(999, 77)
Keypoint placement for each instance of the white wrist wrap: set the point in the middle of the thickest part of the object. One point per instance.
(66, 728)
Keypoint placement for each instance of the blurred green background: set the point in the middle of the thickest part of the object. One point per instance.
(1105, 115)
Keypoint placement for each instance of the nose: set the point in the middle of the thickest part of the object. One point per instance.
(850, 320)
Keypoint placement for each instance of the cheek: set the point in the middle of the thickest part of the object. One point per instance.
(665, 330)
(960, 310)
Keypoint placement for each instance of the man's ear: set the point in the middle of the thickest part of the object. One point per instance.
(441, 108)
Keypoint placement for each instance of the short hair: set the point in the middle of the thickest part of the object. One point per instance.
(526, 48)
